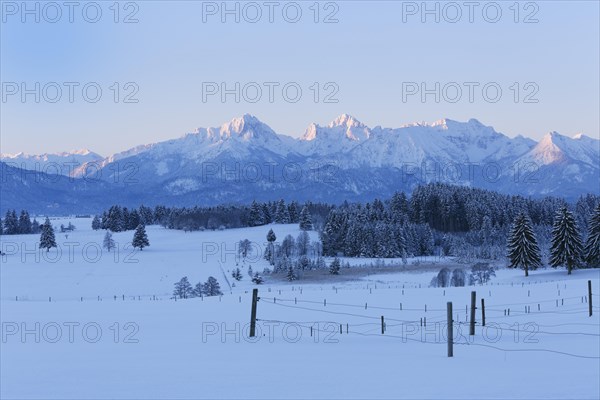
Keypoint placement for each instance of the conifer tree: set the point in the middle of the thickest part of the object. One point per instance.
(305, 220)
(47, 238)
(293, 212)
(334, 267)
(270, 252)
(566, 248)
(282, 215)
(523, 250)
(108, 242)
(592, 244)
(24, 223)
(291, 274)
(35, 227)
(140, 239)
(255, 217)
(96, 224)
(11, 223)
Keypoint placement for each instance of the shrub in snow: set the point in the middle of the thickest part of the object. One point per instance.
(257, 279)
(481, 273)
(244, 247)
(237, 274)
(443, 278)
(459, 278)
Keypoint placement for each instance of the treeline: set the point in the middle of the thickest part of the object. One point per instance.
(443, 220)
(118, 218)
(449, 208)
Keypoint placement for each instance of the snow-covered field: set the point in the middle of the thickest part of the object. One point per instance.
(64, 335)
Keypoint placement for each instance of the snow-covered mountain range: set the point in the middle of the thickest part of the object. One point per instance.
(55, 161)
(244, 159)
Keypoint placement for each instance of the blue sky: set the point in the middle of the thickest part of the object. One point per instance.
(370, 56)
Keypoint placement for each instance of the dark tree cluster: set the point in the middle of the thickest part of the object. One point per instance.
(308, 216)
(375, 230)
(18, 225)
(446, 220)
(183, 289)
(119, 219)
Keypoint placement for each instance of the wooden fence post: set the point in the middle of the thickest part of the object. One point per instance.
(590, 297)
(450, 329)
(482, 312)
(472, 323)
(253, 313)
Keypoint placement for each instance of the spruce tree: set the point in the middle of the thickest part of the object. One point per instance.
(140, 239)
(114, 219)
(35, 227)
(305, 221)
(96, 224)
(291, 274)
(293, 212)
(566, 248)
(255, 217)
(24, 223)
(108, 242)
(11, 223)
(47, 238)
(523, 250)
(266, 212)
(282, 215)
(334, 267)
(592, 244)
(270, 252)
(271, 236)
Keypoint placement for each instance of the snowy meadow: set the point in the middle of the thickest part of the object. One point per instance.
(81, 322)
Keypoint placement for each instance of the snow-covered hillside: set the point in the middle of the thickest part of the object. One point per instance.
(107, 322)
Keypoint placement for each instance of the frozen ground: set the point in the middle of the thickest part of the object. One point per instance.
(137, 347)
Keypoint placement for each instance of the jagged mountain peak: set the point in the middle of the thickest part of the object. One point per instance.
(347, 121)
(239, 124)
(342, 133)
(246, 128)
